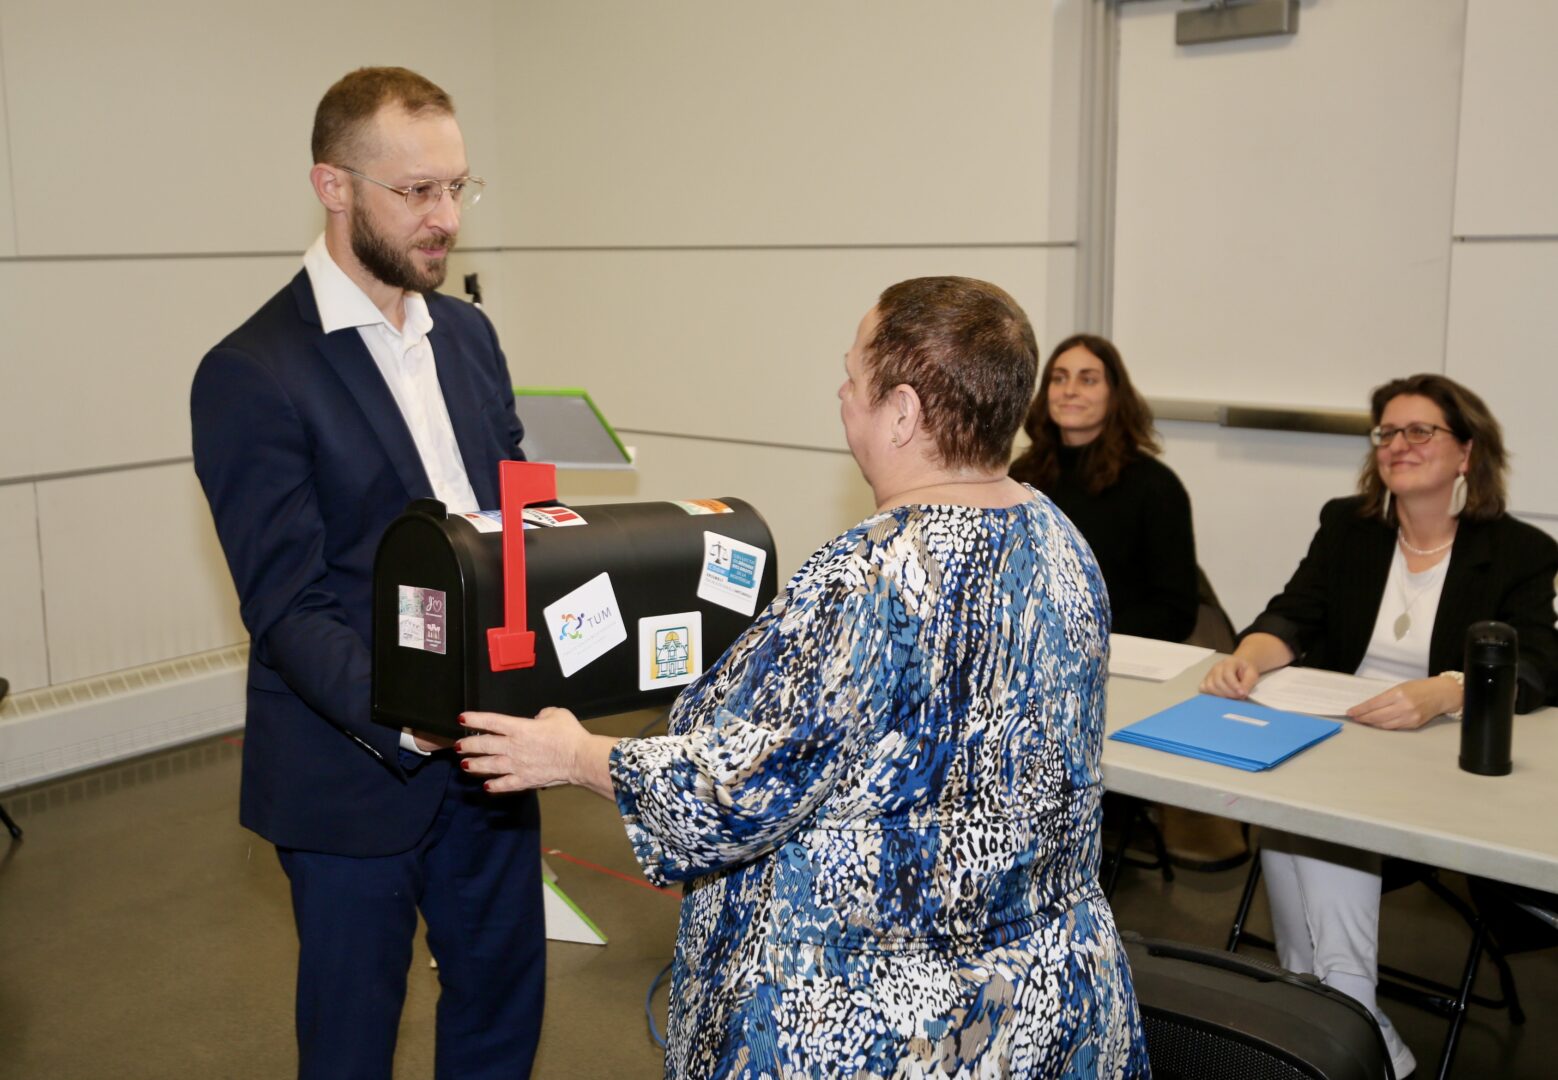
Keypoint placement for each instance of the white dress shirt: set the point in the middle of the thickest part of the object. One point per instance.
(405, 359)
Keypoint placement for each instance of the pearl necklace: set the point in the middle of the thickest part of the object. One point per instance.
(1402, 540)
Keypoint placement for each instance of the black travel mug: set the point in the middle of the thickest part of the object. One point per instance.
(1488, 713)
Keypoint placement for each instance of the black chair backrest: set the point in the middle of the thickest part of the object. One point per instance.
(1211, 1015)
(1213, 629)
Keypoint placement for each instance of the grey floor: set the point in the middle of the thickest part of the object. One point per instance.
(144, 934)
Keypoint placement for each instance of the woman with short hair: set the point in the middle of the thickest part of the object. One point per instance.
(884, 797)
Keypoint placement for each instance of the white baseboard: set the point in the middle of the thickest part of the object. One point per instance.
(64, 729)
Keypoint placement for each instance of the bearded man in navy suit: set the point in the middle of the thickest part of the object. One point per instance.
(354, 390)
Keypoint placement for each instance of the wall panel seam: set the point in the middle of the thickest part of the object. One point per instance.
(43, 590)
(10, 151)
(1506, 238)
(153, 256)
(732, 441)
(1455, 180)
(99, 470)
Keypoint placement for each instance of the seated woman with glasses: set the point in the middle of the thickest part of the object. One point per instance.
(1393, 578)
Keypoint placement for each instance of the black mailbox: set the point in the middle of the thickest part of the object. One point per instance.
(627, 602)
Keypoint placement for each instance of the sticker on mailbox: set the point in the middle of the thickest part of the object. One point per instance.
(552, 517)
(422, 613)
(670, 650)
(731, 573)
(485, 520)
(586, 624)
(702, 506)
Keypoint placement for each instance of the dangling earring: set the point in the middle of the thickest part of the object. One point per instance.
(1458, 495)
(1384, 507)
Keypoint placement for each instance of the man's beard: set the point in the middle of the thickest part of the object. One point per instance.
(390, 266)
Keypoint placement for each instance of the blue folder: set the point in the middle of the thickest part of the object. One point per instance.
(1238, 733)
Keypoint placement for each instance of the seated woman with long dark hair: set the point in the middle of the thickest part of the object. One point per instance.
(1094, 453)
(1392, 580)
(1092, 450)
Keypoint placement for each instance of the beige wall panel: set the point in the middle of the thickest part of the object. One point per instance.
(1503, 335)
(1256, 497)
(7, 203)
(23, 656)
(813, 122)
(489, 268)
(115, 388)
(1283, 208)
(180, 126)
(806, 496)
(132, 571)
(104, 353)
(725, 344)
(1508, 167)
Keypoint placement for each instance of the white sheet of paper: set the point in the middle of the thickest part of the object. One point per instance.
(1146, 658)
(1316, 692)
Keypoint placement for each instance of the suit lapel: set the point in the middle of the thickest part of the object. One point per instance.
(349, 358)
(1472, 551)
(464, 412)
(1376, 547)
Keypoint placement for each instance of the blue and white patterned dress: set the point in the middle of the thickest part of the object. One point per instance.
(885, 797)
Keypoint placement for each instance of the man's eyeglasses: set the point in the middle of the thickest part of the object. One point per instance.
(422, 196)
(1416, 434)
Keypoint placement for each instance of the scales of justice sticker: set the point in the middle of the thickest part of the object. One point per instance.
(731, 573)
(670, 649)
(421, 619)
(586, 624)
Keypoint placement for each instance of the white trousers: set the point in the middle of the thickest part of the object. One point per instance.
(1324, 906)
(1325, 912)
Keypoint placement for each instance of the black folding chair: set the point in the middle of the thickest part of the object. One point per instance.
(1450, 1002)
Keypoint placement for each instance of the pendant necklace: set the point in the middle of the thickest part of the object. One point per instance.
(1403, 621)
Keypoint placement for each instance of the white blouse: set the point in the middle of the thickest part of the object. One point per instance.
(1398, 650)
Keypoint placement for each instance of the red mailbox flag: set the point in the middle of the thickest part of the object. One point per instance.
(520, 483)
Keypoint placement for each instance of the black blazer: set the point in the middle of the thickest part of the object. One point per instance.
(1501, 569)
(305, 458)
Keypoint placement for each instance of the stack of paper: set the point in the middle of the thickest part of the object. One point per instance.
(1316, 692)
(1145, 658)
(1238, 733)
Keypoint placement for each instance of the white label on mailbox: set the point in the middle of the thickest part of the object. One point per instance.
(670, 650)
(422, 613)
(486, 521)
(586, 624)
(731, 573)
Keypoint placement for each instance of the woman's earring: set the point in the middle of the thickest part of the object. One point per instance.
(1458, 495)
(1384, 507)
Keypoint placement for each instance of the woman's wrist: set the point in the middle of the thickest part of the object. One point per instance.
(1457, 694)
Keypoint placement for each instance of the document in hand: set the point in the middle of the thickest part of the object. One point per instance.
(1238, 733)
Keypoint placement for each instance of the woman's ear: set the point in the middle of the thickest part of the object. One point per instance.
(907, 410)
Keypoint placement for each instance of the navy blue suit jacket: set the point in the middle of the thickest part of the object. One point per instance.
(305, 459)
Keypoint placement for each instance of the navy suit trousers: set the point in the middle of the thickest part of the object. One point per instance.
(476, 877)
